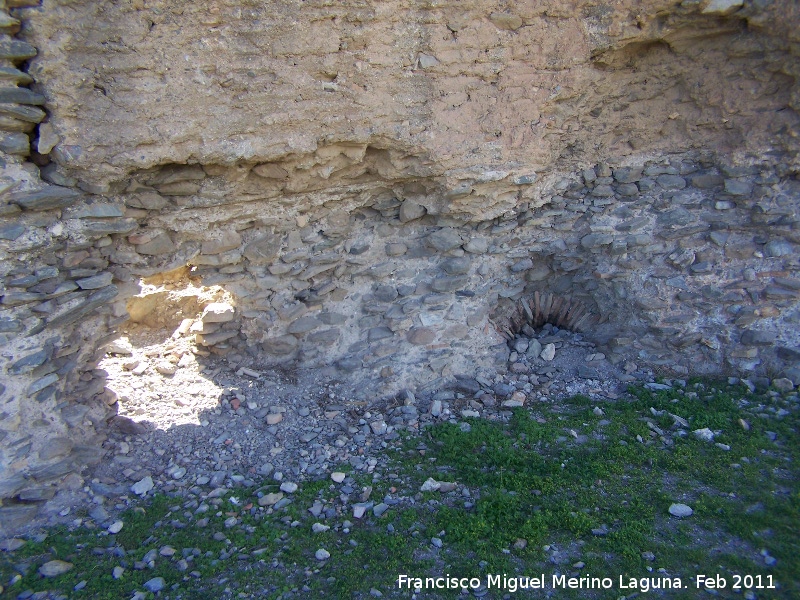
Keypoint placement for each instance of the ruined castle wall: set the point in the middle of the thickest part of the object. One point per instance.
(386, 191)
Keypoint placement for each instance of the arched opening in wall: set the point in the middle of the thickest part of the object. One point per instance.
(511, 318)
(551, 345)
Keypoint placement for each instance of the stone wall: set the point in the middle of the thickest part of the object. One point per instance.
(399, 248)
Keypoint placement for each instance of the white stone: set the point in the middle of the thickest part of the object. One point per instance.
(704, 435)
(430, 485)
(513, 403)
(289, 487)
(548, 353)
(338, 476)
(378, 427)
(115, 527)
(319, 527)
(121, 346)
(680, 510)
(154, 585)
(141, 487)
(427, 61)
(322, 554)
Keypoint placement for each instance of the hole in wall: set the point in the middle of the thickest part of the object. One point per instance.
(510, 317)
(162, 345)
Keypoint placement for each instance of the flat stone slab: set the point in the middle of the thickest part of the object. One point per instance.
(54, 568)
(45, 199)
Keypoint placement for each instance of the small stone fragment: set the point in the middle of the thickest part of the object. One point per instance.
(704, 434)
(322, 554)
(11, 545)
(270, 499)
(141, 487)
(115, 527)
(430, 485)
(54, 568)
(154, 585)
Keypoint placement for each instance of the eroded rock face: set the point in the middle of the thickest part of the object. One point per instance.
(457, 88)
(387, 191)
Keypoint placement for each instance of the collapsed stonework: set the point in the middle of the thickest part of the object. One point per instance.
(386, 192)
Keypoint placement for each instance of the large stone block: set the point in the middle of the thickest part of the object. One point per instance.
(227, 241)
(263, 250)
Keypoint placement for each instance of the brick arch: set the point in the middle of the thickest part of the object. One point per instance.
(542, 307)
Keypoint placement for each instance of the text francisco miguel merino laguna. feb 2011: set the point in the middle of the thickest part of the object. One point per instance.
(511, 583)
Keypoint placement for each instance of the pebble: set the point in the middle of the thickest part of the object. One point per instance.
(289, 487)
(322, 554)
(270, 499)
(548, 352)
(141, 487)
(115, 527)
(11, 544)
(54, 568)
(430, 485)
(117, 572)
(338, 476)
(155, 585)
(704, 435)
(680, 510)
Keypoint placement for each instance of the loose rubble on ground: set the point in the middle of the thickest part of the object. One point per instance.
(188, 423)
